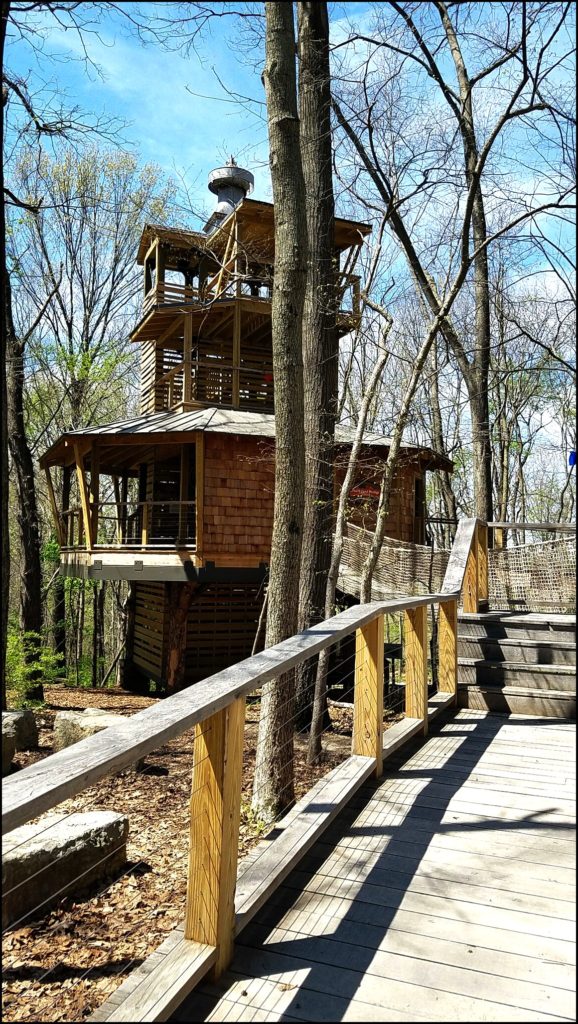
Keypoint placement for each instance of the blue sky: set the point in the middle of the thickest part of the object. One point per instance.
(148, 88)
(178, 114)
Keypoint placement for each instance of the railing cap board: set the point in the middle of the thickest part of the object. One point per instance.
(62, 775)
(454, 576)
(554, 527)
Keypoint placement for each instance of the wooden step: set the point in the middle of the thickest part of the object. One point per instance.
(506, 673)
(523, 650)
(517, 625)
(516, 700)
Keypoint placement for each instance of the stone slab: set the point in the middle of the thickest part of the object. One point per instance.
(72, 726)
(58, 856)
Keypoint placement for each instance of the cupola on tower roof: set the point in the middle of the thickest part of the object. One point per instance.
(230, 184)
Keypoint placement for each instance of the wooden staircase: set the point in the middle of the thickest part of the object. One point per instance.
(519, 663)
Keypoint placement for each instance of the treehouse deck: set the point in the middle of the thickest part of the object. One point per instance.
(445, 891)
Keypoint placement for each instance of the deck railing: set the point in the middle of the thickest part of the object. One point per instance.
(132, 524)
(227, 284)
(216, 907)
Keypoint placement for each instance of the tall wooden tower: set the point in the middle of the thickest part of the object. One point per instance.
(180, 500)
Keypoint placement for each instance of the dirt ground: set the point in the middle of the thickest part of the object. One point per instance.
(63, 965)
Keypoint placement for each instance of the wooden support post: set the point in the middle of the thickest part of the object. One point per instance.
(184, 493)
(483, 582)
(58, 522)
(199, 492)
(416, 664)
(145, 524)
(368, 700)
(84, 502)
(160, 269)
(214, 835)
(187, 357)
(94, 492)
(470, 587)
(448, 648)
(236, 373)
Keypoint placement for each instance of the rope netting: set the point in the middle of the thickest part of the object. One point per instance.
(538, 577)
(534, 577)
(402, 568)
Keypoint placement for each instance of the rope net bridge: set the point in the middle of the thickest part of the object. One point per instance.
(537, 577)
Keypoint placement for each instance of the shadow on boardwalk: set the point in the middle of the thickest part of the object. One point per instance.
(360, 932)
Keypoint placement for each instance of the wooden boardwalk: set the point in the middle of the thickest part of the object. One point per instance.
(445, 892)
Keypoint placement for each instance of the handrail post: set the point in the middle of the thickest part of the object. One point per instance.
(214, 831)
(145, 524)
(416, 664)
(448, 648)
(482, 553)
(368, 699)
(471, 578)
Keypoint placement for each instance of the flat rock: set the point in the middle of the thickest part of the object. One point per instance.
(59, 856)
(22, 726)
(72, 726)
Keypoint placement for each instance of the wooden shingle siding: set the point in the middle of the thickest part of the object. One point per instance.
(238, 501)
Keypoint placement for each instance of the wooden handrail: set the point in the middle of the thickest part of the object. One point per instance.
(545, 527)
(43, 785)
(215, 707)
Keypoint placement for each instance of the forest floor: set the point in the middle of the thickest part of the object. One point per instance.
(62, 965)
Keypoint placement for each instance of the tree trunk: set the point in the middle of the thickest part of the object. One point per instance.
(4, 526)
(447, 492)
(478, 379)
(320, 342)
(31, 579)
(179, 600)
(273, 785)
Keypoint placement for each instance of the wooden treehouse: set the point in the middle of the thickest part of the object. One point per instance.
(179, 500)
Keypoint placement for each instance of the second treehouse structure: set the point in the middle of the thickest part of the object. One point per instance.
(179, 501)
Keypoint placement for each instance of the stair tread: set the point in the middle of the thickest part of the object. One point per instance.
(525, 641)
(519, 618)
(517, 666)
(522, 691)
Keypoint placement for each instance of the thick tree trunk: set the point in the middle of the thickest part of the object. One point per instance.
(273, 785)
(478, 379)
(179, 600)
(320, 342)
(4, 526)
(31, 579)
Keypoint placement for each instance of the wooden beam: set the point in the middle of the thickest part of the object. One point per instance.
(58, 521)
(236, 355)
(416, 664)
(184, 493)
(448, 648)
(470, 587)
(80, 476)
(94, 492)
(214, 836)
(41, 786)
(145, 524)
(187, 357)
(368, 700)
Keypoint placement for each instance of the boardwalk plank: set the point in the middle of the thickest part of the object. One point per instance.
(444, 892)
